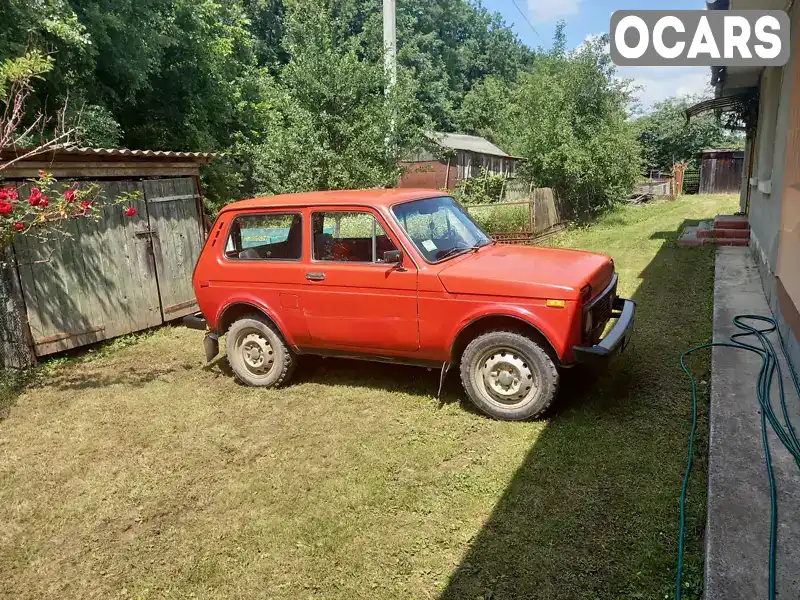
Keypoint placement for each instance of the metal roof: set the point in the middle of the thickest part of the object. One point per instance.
(471, 143)
(202, 157)
(723, 103)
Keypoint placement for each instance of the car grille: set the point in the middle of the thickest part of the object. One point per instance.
(601, 312)
(601, 308)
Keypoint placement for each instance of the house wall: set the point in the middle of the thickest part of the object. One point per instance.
(775, 193)
(432, 174)
(471, 163)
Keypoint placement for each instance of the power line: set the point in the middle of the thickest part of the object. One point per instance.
(524, 16)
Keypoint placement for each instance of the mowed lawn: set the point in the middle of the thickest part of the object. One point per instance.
(135, 471)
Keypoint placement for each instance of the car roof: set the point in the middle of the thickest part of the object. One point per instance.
(378, 197)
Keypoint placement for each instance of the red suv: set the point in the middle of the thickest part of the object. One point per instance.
(402, 276)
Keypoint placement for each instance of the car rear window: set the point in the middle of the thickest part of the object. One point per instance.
(273, 236)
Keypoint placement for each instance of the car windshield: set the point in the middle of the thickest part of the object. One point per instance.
(439, 227)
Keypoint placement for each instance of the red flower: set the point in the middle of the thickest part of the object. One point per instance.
(42, 174)
(69, 195)
(12, 193)
(43, 202)
(86, 205)
(6, 207)
(130, 211)
(3, 193)
(18, 226)
(35, 196)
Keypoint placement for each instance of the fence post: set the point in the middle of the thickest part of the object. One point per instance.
(532, 208)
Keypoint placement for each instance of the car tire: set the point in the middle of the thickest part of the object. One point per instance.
(508, 376)
(257, 353)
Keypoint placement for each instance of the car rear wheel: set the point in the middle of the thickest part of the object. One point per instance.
(508, 375)
(257, 353)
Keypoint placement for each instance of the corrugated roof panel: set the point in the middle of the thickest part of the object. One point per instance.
(471, 143)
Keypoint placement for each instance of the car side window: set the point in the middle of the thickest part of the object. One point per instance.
(270, 236)
(349, 237)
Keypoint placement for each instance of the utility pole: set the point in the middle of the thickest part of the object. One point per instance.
(390, 40)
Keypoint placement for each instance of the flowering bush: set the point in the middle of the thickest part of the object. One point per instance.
(49, 203)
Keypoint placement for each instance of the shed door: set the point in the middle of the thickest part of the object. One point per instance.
(177, 236)
(96, 283)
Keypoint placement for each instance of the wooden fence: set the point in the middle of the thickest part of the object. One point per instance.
(523, 215)
(109, 277)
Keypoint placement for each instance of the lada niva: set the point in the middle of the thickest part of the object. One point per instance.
(403, 276)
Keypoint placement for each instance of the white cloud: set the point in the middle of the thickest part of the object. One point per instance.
(590, 38)
(659, 83)
(549, 10)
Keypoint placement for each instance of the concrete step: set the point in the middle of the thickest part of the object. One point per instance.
(707, 229)
(690, 237)
(731, 222)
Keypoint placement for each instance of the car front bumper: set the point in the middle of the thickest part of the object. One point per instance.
(617, 338)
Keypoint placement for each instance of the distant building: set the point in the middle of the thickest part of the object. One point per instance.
(721, 170)
(467, 155)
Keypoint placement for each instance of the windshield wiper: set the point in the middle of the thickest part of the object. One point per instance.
(462, 249)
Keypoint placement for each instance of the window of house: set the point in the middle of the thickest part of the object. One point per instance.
(265, 237)
(349, 237)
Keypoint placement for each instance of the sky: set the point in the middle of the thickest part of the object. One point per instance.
(587, 18)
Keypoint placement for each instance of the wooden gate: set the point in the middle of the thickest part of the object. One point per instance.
(176, 232)
(116, 275)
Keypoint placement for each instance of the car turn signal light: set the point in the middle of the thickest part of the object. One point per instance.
(556, 303)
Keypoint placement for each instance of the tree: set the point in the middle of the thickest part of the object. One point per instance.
(666, 137)
(326, 121)
(488, 108)
(569, 119)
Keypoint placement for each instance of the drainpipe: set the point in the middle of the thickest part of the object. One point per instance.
(750, 171)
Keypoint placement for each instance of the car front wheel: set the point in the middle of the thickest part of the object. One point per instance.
(508, 375)
(257, 353)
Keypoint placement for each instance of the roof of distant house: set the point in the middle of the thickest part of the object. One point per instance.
(471, 143)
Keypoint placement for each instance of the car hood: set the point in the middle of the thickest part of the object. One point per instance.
(527, 271)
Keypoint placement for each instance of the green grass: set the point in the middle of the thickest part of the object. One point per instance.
(142, 473)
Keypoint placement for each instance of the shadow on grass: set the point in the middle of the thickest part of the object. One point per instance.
(592, 510)
(12, 383)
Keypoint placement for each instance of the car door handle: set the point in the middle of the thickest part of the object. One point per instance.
(315, 276)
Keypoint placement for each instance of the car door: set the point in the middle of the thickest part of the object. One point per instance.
(352, 298)
(262, 258)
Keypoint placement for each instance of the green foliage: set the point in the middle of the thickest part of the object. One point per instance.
(570, 121)
(667, 138)
(486, 188)
(292, 92)
(95, 127)
(23, 70)
(502, 218)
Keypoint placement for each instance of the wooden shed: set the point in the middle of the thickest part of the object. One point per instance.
(467, 155)
(721, 171)
(113, 276)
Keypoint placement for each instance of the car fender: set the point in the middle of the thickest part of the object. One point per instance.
(554, 335)
(260, 306)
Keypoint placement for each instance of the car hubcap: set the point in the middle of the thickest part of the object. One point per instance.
(505, 376)
(257, 353)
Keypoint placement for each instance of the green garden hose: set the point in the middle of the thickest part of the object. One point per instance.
(783, 430)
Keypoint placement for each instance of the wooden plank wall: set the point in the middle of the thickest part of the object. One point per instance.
(721, 175)
(96, 284)
(177, 241)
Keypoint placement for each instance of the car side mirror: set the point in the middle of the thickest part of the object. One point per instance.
(393, 256)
